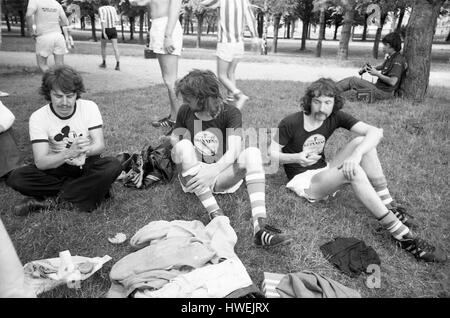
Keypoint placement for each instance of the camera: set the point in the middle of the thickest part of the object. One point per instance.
(367, 65)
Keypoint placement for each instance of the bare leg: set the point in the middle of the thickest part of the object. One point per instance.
(103, 48)
(12, 281)
(116, 49)
(42, 62)
(169, 70)
(330, 180)
(59, 59)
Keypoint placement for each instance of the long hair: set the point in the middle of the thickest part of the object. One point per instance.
(64, 78)
(322, 87)
(205, 86)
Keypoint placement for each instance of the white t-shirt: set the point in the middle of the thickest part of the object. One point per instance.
(6, 117)
(47, 13)
(47, 126)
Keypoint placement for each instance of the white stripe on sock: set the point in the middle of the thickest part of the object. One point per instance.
(400, 236)
(383, 192)
(209, 202)
(387, 201)
(395, 227)
(257, 196)
(259, 210)
(255, 176)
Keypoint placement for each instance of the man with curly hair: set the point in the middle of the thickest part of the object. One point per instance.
(67, 141)
(300, 142)
(210, 157)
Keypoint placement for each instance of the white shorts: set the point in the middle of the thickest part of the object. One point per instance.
(230, 51)
(302, 181)
(51, 43)
(232, 189)
(157, 36)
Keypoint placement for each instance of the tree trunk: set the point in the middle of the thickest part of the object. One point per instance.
(321, 32)
(199, 30)
(288, 29)
(336, 27)
(276, 25)
(400, 19)
(22, 22)
(141, 27)
(364, 34)
(308, 34)
(94, 34)
(265, 29)
(82, 24)
(131, 19)
(293, 29)
(8, 24)
(346, 34)
(448, 37)
(304, 34)
(417, 50)
(376, 43)
(121, 26)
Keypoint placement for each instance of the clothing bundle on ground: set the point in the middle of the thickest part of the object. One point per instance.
(47, 274)
(182, 259)
(140, 170)
(350, 255)
(304, 284)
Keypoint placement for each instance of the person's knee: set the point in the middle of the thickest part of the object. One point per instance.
(182, 149)
(250, 157)
(15, 178)
(359, 175)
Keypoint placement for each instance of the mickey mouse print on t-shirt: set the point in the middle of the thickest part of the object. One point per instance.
(65, 137)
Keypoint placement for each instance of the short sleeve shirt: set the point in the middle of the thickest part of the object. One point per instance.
(209, 137)
(294, 138)
(46, 126)
(46, 15)
(393, 65)
(108, 15)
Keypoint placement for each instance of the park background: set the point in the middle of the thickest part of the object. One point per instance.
(414, 151)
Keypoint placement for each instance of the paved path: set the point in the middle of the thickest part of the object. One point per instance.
(137, 72)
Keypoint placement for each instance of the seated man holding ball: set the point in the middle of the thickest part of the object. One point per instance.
(67, 141)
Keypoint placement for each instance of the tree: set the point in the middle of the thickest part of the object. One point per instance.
(303, 10)
(88, 8)
(417, 49)
(18, 8)
(321, 6)
(349, 8)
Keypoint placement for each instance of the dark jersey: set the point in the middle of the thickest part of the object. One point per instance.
(393, 65)
(293, 138)
(209, 137)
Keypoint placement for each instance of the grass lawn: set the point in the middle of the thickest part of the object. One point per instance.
(416, 163)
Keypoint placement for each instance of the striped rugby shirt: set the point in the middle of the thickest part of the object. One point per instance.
(233, 15)
(108, 15)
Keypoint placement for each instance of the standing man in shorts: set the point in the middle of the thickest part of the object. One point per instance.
(166, 41)
(210, 157)
(44, 20)
(109, 20)
(233, 16)
(300, 143)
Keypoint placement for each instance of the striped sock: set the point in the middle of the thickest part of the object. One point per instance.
(380, 186)
(256, 189)
(393, 225)
(204, 195)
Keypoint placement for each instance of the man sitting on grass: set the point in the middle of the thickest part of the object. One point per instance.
(67, 141)
(389, 73)
(210, 159)
(299, 145)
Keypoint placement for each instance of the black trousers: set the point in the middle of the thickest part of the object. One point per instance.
(85, 188)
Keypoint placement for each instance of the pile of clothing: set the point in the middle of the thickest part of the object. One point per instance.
(151, 165)
(182, 259)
